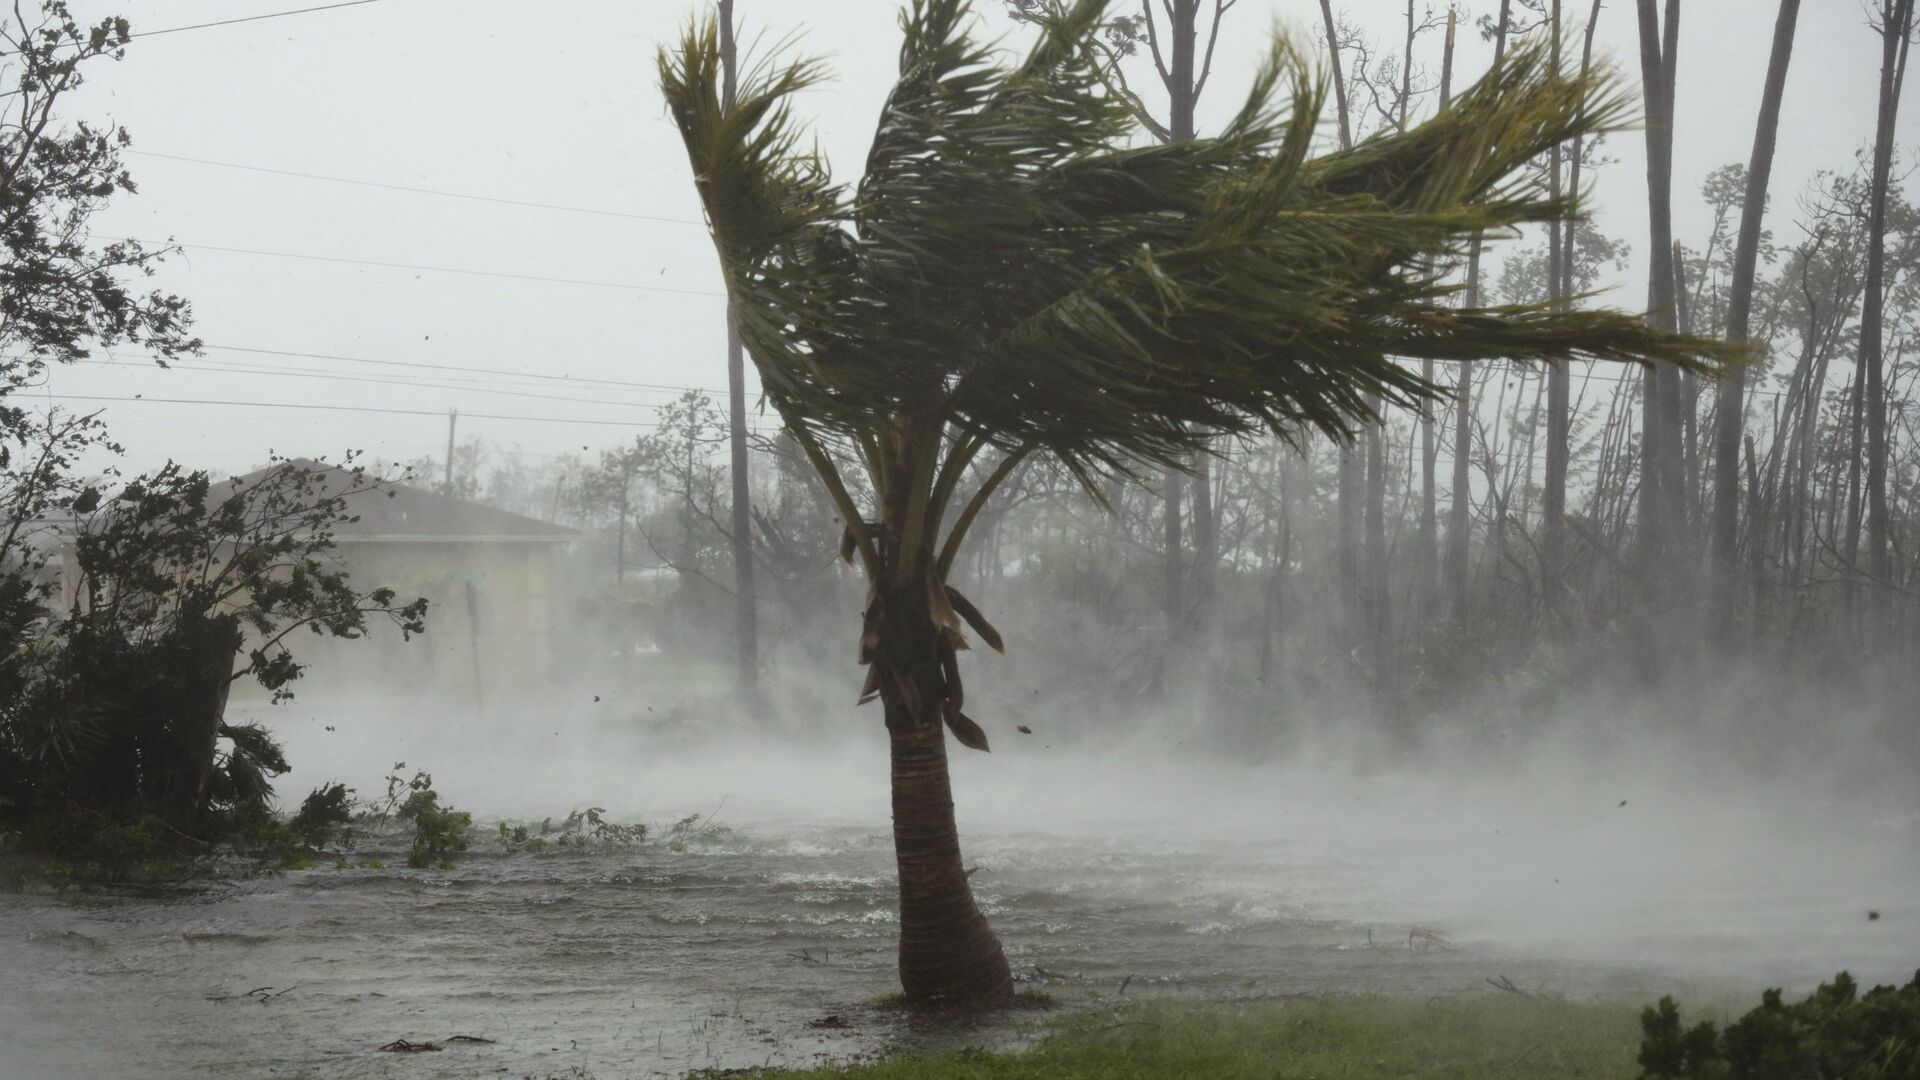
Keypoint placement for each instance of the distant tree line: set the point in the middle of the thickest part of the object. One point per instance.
(1548, 525)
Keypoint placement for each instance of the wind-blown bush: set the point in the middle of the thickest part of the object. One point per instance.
(183, 587)
(1837, 1032)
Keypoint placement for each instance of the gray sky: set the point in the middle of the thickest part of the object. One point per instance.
(555, 103)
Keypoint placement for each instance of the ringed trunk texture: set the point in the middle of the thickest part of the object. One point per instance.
(949, 956)
(948, 953)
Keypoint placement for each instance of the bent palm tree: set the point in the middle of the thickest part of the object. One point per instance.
(1016, 275)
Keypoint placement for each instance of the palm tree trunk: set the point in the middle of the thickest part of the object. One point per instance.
(948, 953)
(1459, 524)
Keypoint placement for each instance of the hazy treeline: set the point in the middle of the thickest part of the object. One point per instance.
(1545, 532)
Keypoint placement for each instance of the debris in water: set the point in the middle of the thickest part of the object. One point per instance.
(831, 1020)
(1873, 916)
(468, 1039)
(1504, 983)
(402, 1046)
(1023, 729)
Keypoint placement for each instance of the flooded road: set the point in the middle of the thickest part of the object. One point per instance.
(734, 946)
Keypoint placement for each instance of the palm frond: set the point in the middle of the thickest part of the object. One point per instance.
(1017, 264)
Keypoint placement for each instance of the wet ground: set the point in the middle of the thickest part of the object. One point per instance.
(762, 940)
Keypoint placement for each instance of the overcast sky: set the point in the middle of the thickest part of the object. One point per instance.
(555, 103)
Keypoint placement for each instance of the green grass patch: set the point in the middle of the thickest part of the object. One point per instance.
(1335, 1039)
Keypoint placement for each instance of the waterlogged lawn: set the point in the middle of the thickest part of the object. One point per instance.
(1354, 1039)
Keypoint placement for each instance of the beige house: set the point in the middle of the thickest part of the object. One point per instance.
(487, 574)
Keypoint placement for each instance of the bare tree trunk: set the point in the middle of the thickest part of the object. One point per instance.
(1347, 496)
(1459, 524)
(1661, 484)
(1379, 599)
(1570, 254)
(1173, 595)
(620, 537)
(745, 625)
(1279, 555)
(1427, 566)
(1730, 412)
(1379, 585)
(1856, 428)
(1896, 30)
(208, 676)
(1349, 480)
(1559, 423)
(1339, 74)
(1183, 93)
(1689, 399)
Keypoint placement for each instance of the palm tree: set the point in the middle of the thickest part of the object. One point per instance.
(1019, 275)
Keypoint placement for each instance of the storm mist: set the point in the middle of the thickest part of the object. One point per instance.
(633, 556)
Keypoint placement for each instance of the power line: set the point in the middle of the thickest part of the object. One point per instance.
(422, 190)
(455, 367)
(243, 369)
(253, 18)
(351, 408)
(430, 269)
(221, 22)
(316, 407)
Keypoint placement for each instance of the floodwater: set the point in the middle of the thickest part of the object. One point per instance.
(760, 936)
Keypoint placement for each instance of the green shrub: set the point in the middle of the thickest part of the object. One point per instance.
(1837, 1032)
(326, 817)
(438, 831)
(112, 709)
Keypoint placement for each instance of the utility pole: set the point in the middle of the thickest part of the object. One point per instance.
(446, 485)
(746, 629)
(1553, 502)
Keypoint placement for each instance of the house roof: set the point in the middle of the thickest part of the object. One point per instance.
(415, 514)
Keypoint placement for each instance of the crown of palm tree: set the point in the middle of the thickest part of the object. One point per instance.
(1017, 269)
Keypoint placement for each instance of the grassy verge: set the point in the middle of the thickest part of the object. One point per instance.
(1350, 1039)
